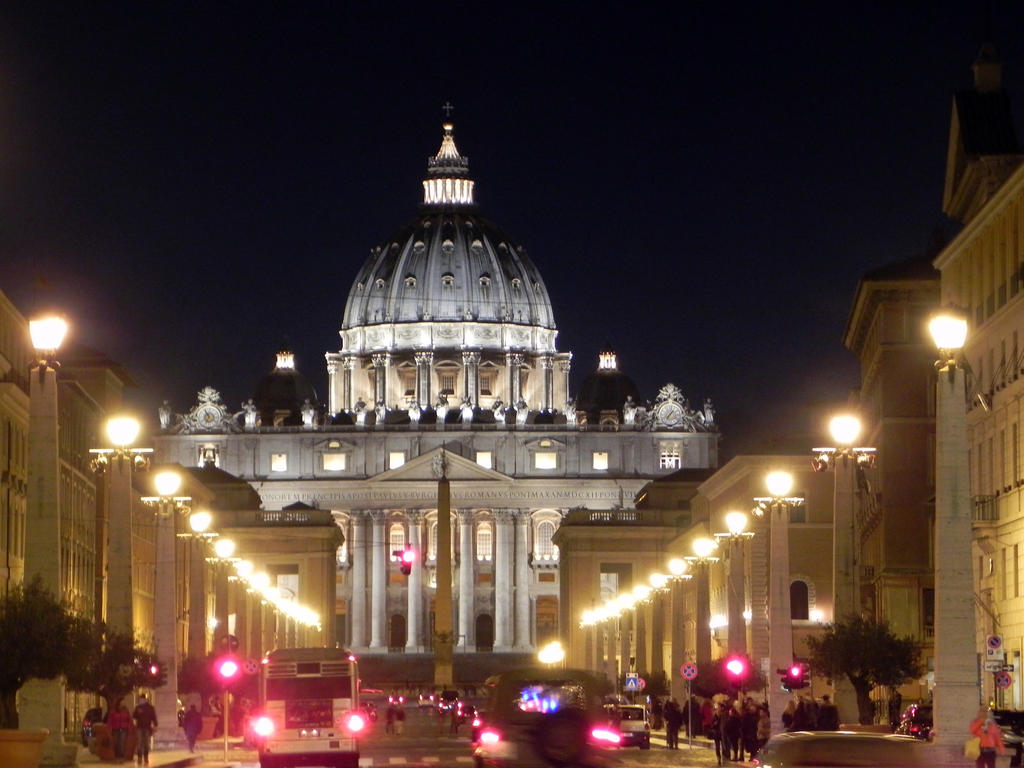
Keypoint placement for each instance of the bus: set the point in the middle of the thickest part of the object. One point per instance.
(309, 709)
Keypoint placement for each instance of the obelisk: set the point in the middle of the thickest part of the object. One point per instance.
(444, 635)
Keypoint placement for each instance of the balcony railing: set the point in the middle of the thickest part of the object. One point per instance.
(985, 509)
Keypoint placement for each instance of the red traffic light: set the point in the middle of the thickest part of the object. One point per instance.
(154, 670)
(408, 556)
(796, 672)
(736, 667)
(227, 669)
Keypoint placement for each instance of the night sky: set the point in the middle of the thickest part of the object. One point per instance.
(701, 187)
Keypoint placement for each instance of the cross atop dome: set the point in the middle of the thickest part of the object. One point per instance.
(449, 182)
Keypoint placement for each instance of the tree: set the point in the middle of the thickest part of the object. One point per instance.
(110, 663)
(869, 654)
(39, 640)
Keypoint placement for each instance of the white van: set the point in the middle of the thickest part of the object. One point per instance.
(634, 724)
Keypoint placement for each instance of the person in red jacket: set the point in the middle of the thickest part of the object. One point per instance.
(990, 735)
(119, 721)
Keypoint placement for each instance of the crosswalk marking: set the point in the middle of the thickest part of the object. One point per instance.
(372, 762)
(397, 761)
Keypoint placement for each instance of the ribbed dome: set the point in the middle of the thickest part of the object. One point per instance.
(283, 391)
(449, 265)
(606, 389)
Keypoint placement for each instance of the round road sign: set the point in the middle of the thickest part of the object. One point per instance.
(995, 642)
(1003, 680)
(688, 670)
(251, 666)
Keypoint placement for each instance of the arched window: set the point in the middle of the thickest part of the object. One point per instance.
(799, 603)
(396, 538)
(484, 542)
(545, 549)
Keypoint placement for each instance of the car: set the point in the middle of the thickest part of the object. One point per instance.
(476, 725)
(93, 715)
(836, 749)
(916, 721)
(545, 718)
(1012, 723)
(633, 722)
(447, 700)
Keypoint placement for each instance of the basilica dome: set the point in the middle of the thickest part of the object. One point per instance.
(281, 395)
(449, 278)
(606, 390)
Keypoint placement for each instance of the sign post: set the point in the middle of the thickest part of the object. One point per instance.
(689, 672)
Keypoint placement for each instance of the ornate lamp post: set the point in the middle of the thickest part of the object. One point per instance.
(121, 460)
(780, 617)
(845, 460)
(166, 505)
(42, 701)
(957, 687)
(701, 560)
(736, 537)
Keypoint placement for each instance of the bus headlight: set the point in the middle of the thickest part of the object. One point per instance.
(263, 726)
(354, 722)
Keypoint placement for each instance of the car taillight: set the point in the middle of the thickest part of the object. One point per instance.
(263, 726)
(355, 723)
(489, 737)
(477, 722)
(605, 735)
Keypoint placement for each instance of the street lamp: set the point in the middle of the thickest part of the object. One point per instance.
(846, 460)
(41, 702)
(551, 654)
(957, 689)
(119, 462)
(702, 560)
(780, 620)
(166, 505)
(736, 537)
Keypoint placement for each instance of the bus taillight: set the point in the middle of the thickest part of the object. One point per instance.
(354, 722)
(263, 726)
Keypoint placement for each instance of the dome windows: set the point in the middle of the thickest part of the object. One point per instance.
(448, 280)
(485, 280)
(447, 247)
(477, 247)
(410, 282)
(379, 284)
(418, 248)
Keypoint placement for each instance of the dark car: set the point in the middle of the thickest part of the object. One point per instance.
(1012, 723)
(836, 749)
(916, 721)
(94, 715)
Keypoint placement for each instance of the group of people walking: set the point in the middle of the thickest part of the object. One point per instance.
(121, 723)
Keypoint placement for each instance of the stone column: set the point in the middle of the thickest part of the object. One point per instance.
(197, 619)
(514, 363)
(736, 601)
(120, 586)
(424, 365)
(221, 611)
(471, 375)
(780, 615)
(625, 644)
(357, 604)
(414, 609)
(677, 685)
(640, 638)
(548, 373)
(844, 600)
(957, 688)
(378, 582)
(657, 633)
(702, 584)
(380, 377)
(243, 619)
(522, 571)
(333, 389)
(503, 637)
(256, 647)
(564, 366)
(165, 623)
(466, 591)
(348, 366)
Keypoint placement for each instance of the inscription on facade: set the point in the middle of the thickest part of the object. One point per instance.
(510, 495)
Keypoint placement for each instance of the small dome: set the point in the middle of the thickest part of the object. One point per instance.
(281, 394)
(606, 389)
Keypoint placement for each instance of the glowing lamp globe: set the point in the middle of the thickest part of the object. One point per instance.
(736, 522)
(677, 566)
(845, 429)
(948, 331)
(779, 484)
(244, 568)
(703, 547)
(167, 483)
(224, 548)
(122, 430)
(200, 521)
(47, 333)
(736, 667)
(658, 580)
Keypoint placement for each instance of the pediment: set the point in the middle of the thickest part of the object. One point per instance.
(422, 468)
(545, 443)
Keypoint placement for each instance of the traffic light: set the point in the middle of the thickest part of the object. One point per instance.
(406, 557)
(227, 670)
(737, 668)
(795, 677)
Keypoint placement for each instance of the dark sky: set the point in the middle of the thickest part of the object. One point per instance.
(700, 187)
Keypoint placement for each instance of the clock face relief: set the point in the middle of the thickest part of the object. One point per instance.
(208, 416)
(670, 414)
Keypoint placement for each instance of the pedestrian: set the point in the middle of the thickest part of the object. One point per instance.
(389, 718)
(990, 736)
(828, 715)
(764, 726)
(788, 714)
(713, 730)
(673, 720)
(748, 728)
(656, 722)
(732, 730)
(801, 717)
(192, 723)
(399, 717)
(145, 723)
(119, 720)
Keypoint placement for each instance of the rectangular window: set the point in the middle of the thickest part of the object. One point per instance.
(545, 460)
(279, 462)
(396, 459)
(484, 459)
(447, 381)
(600, 459)
(669, 457)
(487, 383)
(334, 462)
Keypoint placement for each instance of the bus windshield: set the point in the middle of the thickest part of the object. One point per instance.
(309, 688)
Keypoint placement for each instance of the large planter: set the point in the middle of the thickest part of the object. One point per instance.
(21, 749)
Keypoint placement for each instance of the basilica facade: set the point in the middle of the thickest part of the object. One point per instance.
(448, 358)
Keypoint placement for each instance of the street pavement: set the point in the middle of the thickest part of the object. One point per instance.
(425, 742)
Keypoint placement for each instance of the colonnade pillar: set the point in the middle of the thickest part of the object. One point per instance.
(357, 607)
(522, 573)
(514, 363)
(380, 377)
(503, 637)
(414, 619)
(471, 374)
(424, 362)
(378, 590)
(465, 632)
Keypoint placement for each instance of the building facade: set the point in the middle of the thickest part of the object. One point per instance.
(448, 358)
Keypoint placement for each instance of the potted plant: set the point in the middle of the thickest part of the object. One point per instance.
(40, 638)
